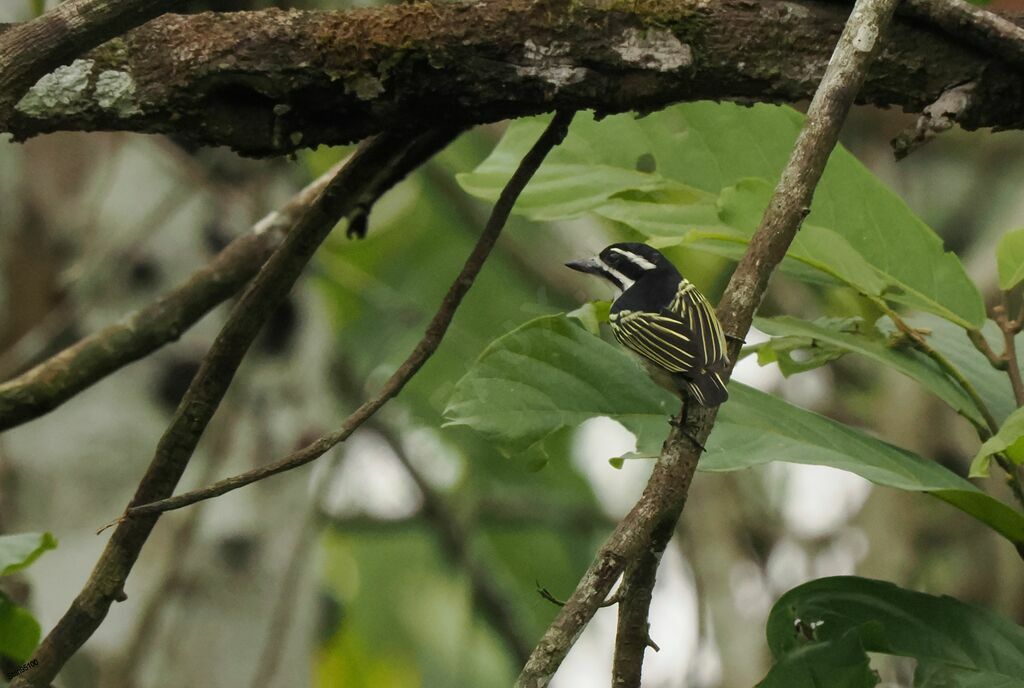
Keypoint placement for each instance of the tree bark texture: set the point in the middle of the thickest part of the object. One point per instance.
(270, 82)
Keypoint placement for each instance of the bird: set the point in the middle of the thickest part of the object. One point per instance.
(661, 316)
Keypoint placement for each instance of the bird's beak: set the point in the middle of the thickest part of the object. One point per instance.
(589, 265)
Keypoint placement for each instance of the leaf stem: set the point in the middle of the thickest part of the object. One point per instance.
(922, 345)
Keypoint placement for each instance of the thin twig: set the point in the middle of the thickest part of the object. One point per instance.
(973, 25)
(486, 578)
(981, 344)
(665, 495)
(1010, 329)
(60, 377)
(169, 582)
(423, 350)
(377, 166)
(919, 342)
(281, 614)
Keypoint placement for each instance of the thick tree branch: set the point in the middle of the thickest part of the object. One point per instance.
(30, 50)
(269, 82)
(424, 349)
(663, 499)
(376, 167)
(60, 377)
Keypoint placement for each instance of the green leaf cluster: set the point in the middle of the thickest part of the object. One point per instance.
(701, 175)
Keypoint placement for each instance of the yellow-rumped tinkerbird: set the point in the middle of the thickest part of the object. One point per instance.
(661, 316)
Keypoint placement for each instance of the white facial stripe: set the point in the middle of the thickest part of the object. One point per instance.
(638, 261)
(619, 277)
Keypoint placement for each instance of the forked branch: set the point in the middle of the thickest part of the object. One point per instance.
(377, 166)
(424, 349)
(665, 495)
(52, 382)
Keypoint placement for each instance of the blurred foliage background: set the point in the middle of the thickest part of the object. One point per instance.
(350, 573)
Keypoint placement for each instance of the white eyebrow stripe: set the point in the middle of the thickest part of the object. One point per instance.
(639, 261)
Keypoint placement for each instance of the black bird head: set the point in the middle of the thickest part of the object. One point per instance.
(624, 264)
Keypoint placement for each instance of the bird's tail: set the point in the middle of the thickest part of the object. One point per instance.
(708, 389)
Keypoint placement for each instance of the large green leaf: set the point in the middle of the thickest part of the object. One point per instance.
(868, 341)
(1010, 259)
(892, 620)
(1009, 440)
(551, 374)
(18, 551)
(841, 663)
(19, 631)
(662, 174)
(755, 428)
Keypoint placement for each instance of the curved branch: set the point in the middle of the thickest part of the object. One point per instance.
(270, 82)
(424, 349)
(663, 499)
(377, 166)
(60, 377)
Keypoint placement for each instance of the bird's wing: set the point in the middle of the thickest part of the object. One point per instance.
(663, 338)
(700, 316)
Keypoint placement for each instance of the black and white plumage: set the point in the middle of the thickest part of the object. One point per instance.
(662, 317)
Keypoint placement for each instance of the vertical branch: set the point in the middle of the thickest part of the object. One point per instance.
(376, 167)
(1010, 329)
(665, 495)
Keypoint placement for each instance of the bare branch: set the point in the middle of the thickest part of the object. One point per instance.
(270, 82)
(665, 495)
(377, 166)
(30, 50)
(424, 349)
(1009, 329)
(60, 377)
(986, 31)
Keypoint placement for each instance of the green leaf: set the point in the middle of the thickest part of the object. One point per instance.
(19, 631)
(741, 207)
(754, 428)
(662, 174)
(937, 675)
(860, 338)
(18, 551)
(551, 374)
(592, 314)
(1009, 440)
(797, 353)
(838, 663)
(892, 620)
(1010, 259)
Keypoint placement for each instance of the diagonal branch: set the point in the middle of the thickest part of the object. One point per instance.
(377, 166)
(985, 30)
(456, 539)
(60, 377)
(424, 349)
(663, 499)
